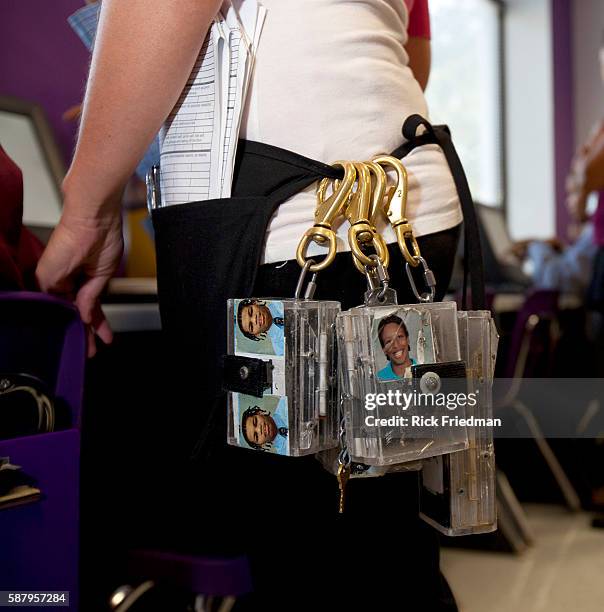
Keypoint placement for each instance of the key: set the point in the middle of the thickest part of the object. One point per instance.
(343, 476)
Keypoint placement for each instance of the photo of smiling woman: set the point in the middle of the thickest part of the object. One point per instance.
(394, 340)
(405, 340)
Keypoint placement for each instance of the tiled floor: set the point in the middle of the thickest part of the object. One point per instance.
(562, 572)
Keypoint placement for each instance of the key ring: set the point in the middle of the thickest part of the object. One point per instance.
(320, 235)
(378, 291)
(312, 285)
(428, 279)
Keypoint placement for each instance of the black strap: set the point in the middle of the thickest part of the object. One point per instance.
(276, 173)
(286, 173)
(472, 247)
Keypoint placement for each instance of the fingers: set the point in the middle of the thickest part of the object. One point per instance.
(88, 303)
(101, 326)
(90, 341)
(87, 298)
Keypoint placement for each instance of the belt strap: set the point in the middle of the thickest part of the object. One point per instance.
(280, 174)
(441, 136)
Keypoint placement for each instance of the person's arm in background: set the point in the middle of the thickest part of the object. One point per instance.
(144, 53)
(568, 270)
(594, 168)
(418, 44)
(587, 174)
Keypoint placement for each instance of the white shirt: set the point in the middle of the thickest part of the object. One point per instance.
(332, 82)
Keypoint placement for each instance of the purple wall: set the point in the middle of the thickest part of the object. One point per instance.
(42, 59)
(564, 128)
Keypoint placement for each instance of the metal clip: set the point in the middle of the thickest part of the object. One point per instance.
(153, 189)
(379, 191)
(312, 285)
(328, 210)
(396, 209)
(378, 292)
(362, 231)
(359, 206)
(429, 279)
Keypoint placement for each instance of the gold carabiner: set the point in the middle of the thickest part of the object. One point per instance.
(357, 213)
(328, 210)
(396, 209)
(377, 209)
(379, 191)
(362, 229)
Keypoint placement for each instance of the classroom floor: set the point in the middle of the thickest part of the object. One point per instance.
(562, 571)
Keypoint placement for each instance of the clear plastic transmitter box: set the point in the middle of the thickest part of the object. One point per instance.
(281, 376)
(458, 490)
(393, 361)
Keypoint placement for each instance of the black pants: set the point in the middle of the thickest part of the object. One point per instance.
(283, 512)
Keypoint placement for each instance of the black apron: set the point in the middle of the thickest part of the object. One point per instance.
(210, 251)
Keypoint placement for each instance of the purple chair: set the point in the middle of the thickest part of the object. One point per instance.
(534, 338)
(540, 307)
(39, 542)
(210, 579)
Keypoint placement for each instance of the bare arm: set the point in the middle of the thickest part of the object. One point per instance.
(420, 59)
(586, 175)
(594, 170)
(144, 53)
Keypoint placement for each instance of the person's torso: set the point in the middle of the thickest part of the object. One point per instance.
(331, 81)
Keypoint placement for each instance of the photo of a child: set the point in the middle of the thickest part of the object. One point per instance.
(263, 423)
(259, 327)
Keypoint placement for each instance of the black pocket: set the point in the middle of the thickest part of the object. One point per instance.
(207, 252)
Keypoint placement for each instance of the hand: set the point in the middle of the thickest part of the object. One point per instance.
(519, 248)
(81, 256)
(576, 203)
(555, 244)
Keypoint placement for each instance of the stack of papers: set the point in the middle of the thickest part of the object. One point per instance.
(200, 135)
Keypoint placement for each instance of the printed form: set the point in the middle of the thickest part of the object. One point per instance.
(199, 138)
(190, 136)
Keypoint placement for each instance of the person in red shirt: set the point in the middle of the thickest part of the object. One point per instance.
(418, 44)
(19, 248)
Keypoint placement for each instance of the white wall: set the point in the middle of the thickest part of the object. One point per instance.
(588, 32)
(530, 119)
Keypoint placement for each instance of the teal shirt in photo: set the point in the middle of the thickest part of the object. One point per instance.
(388, 373)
